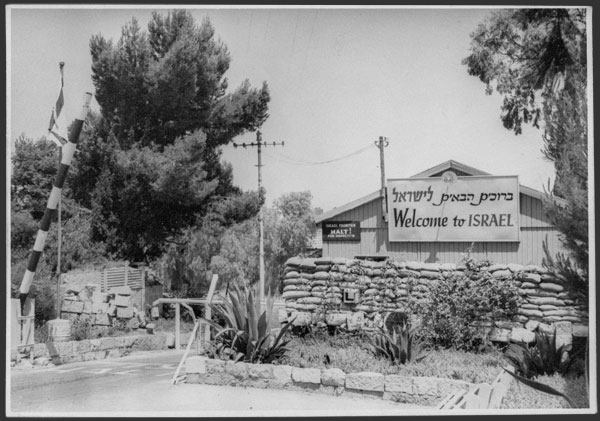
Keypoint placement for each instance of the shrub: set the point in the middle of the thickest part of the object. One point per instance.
(247, 335)
(81, 329)
(459, 303)
(400, 346)
(541, 358)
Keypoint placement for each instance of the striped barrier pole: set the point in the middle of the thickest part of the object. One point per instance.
(67, 155)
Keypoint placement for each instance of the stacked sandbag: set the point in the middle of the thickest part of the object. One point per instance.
(317, 286)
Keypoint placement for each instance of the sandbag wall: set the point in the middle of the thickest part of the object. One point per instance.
(312, 288)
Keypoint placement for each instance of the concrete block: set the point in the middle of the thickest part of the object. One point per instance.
(170, 341)
(95, 344)
(282, 375)
(260, 371)
(150, 328)
(122, 290)
(80, 347)
(102, 319)
(40, 350)
(60, 348)
(114, 353)
(215, 366)
(87, 307)
(333, 377)
(238, 370)
(306, 375)
(99, 307)
(425, 385)
(195, 365)
(355, 321)
(532, 325)
(396, 383)
(499, 335)
(112, 310)
(564, 333)
(580, 331)
(124, 312)
(301, 318)
(335, 319)
(522, 335)
(41, 361)
(72, 306)
(366, 380)
(121, 300)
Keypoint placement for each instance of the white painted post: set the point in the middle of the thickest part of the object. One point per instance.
(177, 325)
(207, 308)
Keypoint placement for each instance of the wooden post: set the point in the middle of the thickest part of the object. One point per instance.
(177, 325)
(208, 309)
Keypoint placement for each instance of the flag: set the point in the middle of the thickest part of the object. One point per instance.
(58, 122)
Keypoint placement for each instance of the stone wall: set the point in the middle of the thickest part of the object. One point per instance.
(316, 291)
(406, 389)
(86, 302)
(100, 348)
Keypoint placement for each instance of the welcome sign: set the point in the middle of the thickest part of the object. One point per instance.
(481, 208)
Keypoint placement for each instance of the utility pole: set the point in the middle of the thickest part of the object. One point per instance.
(261, 252)
(382, 143)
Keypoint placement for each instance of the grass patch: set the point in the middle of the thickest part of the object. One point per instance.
(520, 396)
(350, 354)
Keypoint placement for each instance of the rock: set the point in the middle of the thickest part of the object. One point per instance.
(306, 375)
(335, 319)
(41, 361)
(282, 375)
(546, 328)
(333, 377)
(564, 333)
(425, 385)
(355, 321)
(522, 335)
(133, 323)
(499, 335)
(532, 325)
(301, 318)
(195, 365)
(72, 306)
(124, 312)
(260, 371)
(121, 301)
(150, 328)
(580, 331)
(398, 384)
(122, 290)
(366, 380)
(102, 319)
(154, 313)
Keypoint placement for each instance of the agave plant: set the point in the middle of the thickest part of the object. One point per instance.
(247, 335)
(401, 345)
(542, 358)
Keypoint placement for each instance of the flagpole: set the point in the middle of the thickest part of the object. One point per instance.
(59, 244)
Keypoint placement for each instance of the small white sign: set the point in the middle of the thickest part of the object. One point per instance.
(474, 208)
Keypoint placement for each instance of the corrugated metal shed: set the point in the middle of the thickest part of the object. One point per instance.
(535, 227)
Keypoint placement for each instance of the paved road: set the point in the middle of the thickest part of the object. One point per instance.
(140, 384)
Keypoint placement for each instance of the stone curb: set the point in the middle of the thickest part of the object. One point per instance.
(398, 388)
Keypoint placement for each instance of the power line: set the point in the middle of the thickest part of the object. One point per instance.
(299, 162)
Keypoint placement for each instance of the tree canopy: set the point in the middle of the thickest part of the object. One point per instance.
(150, 165)
(537, 60)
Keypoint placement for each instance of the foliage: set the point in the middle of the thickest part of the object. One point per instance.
(521, 52)
(349, 352)
(542, 358)
(520, 396)
(542, 388)
(457, 304)
(23, 229)
(195, 255)
(247, 335)
(43, 289)
(400, 346)
(34, 166)
(563, 268)
(81, 329)
(537, 59)
(153, 157)
(288, 232)
(158, 85)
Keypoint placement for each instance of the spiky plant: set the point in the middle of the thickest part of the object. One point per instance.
(400, 346)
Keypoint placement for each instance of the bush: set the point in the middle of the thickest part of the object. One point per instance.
(81, 329)
(247, 335)
(542, 358)
(457, 304)
(400, 346)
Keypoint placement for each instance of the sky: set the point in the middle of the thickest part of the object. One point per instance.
(339, 78)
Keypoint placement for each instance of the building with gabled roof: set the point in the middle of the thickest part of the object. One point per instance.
(368, 216)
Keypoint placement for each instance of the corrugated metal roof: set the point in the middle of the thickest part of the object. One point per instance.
(445, 166)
